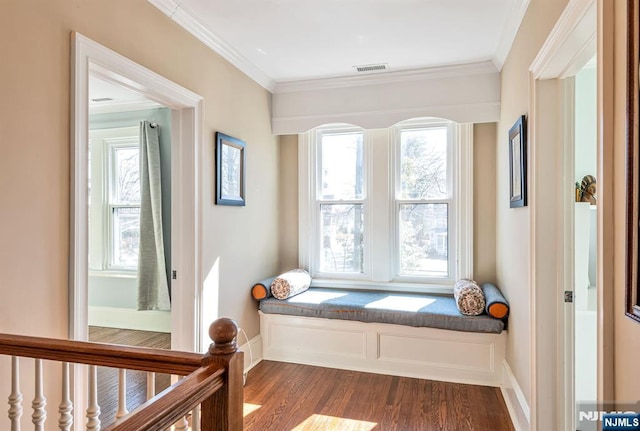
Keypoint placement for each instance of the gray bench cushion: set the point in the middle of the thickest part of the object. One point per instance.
(409, 309)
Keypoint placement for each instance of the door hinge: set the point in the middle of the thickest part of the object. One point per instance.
(568, 296)
(174, 274)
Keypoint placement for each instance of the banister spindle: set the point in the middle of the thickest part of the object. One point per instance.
(39, 401)
(181, 425)
(93, 411)
(151, 385)
(195, 419)
(15, 398)
(122, 393)
(66, 406)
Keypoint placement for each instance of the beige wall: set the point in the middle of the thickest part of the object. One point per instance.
(513, 225)
(34, 154)
(288, 202)
(484, 201)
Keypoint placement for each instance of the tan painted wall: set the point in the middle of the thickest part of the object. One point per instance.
(627, 331)
(288, 202)
(34, 154)
(513, 225)
(484, 201)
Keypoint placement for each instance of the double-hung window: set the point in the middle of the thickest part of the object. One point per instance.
(387, 208)
(123, 210)
(114, 207)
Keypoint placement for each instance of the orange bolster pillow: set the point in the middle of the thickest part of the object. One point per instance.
(262, 289)
(496, 304)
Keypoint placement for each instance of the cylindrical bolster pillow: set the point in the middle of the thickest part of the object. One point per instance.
(262, 289)
(290, 283)
(497, 306)
(469, 297)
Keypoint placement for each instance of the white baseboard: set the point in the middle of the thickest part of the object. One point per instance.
(126, 318)
(426, 353)
(514, 399)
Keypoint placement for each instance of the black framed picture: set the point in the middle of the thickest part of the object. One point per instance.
(230, 170)
(518, 164)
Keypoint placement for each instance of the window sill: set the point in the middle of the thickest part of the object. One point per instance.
(386, 287)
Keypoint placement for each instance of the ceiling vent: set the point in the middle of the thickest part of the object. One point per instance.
(371, 67)
(102, 99)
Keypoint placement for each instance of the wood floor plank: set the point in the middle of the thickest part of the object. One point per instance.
(301, 397)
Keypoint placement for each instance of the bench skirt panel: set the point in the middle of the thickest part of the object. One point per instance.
(420, 352)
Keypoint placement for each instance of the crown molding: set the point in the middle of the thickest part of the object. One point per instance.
(514, 20)
(479, 68)
(185, 18)
(571, 43)
(168, 7)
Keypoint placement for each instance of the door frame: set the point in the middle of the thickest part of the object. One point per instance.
(89, 58)
(575, 38)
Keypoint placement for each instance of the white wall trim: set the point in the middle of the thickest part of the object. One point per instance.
(469, 69)
(465, 201)
(570, 45)
(187, 20)
(461, 98)
(514, 20)
(514, 399)
(127, 318)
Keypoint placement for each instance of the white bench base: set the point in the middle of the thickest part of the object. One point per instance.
(426, 353)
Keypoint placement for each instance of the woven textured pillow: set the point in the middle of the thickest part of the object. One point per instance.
(290, 283)
(469, 297)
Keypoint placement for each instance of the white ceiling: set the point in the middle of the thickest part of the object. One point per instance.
(276, 41)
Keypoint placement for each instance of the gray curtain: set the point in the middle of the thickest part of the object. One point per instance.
(153, 289)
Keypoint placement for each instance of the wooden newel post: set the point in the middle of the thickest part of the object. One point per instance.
(223, 411)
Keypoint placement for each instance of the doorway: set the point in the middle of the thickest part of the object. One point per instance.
(93, 61)
(570, 46)
(586, 241)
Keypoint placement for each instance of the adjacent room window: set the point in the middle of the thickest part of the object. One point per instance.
(386, 208)
(123, 210)
(114, 209)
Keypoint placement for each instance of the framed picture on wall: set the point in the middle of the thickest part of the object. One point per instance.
(230, 170)
(518, 164)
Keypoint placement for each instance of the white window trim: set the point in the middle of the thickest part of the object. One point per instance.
(380, 276)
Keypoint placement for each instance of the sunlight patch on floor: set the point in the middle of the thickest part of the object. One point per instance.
(332, 423)
(249, 408)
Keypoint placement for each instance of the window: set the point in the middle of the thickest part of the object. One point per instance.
(387, 208)
(114, 209)
(124, 205)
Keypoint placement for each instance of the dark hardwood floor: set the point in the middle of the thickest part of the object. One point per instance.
(136, 380)
(283, 397)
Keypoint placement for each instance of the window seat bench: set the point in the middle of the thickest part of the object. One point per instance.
(405, 334)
